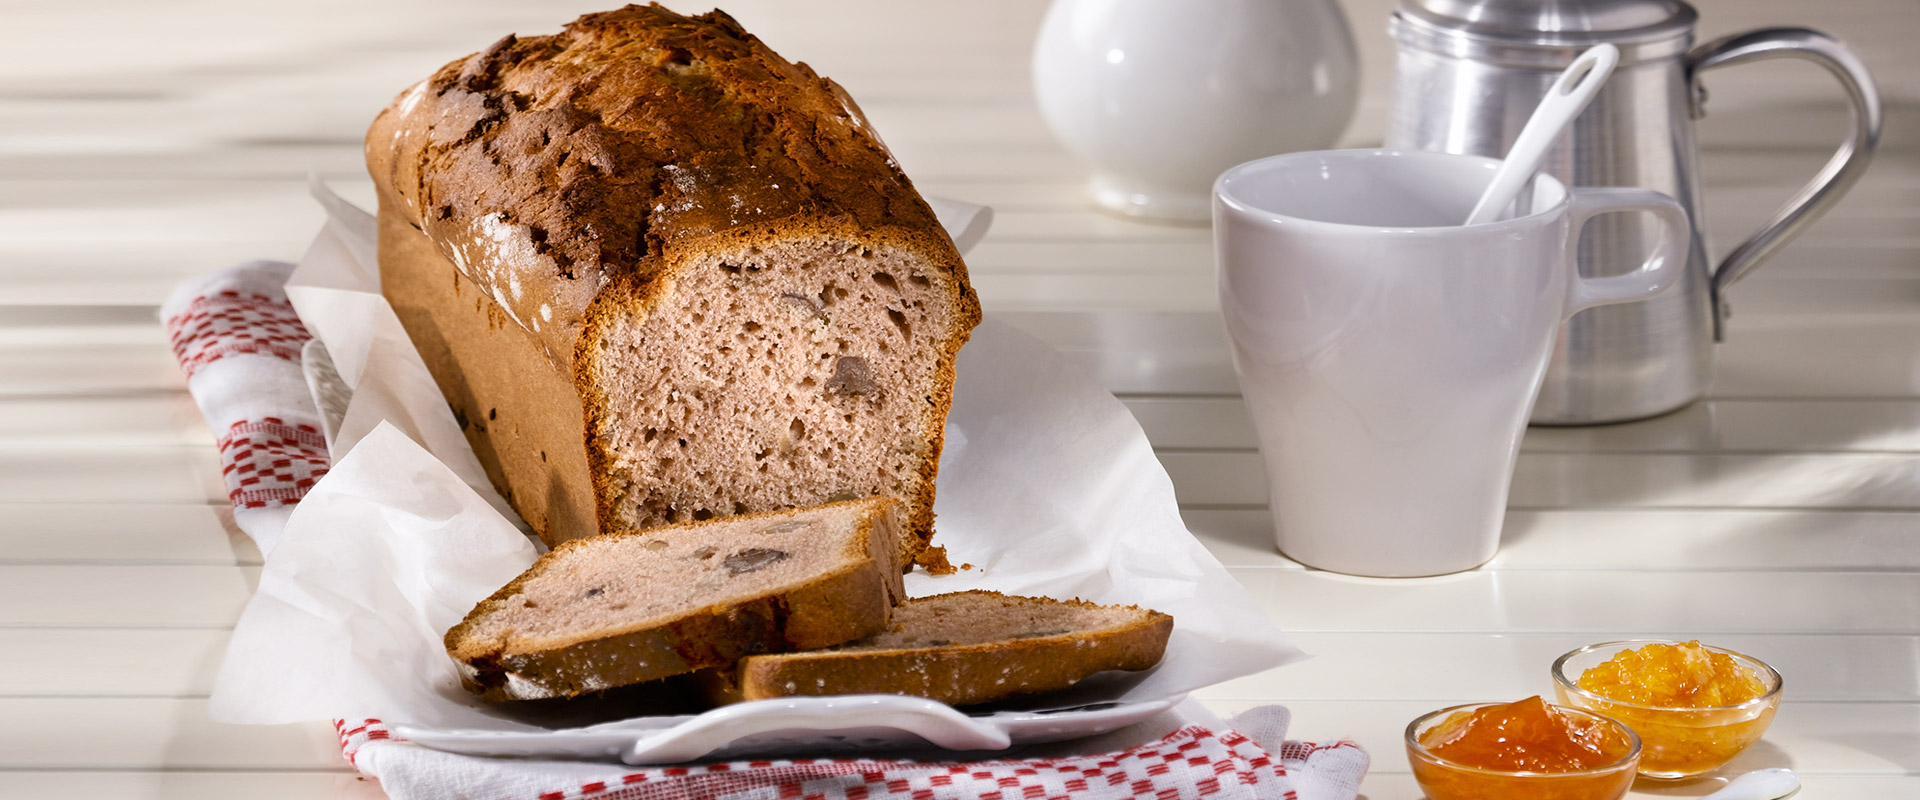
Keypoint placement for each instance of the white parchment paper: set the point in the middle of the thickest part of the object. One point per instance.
(1047, 486)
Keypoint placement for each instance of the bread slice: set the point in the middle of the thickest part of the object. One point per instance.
(962, 648)
(662, 274)
(618, 609)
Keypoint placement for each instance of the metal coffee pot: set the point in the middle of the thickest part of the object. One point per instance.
(1468, 73)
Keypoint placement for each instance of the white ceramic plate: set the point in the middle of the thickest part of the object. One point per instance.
(813, 726)
(821, 726)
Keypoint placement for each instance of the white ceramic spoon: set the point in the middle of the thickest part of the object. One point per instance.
(1760, 784)
(1568, 96)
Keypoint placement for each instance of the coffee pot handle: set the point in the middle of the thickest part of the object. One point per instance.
(1833, 180)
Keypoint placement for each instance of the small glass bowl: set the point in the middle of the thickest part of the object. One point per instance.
(1445, 780)
(1680, 742)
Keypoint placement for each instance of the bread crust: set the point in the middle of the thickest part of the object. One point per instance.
(847, 603)
(519, 414)
(571, 178)
(952, 674)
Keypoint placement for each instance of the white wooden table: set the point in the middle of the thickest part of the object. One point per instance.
(141, 143)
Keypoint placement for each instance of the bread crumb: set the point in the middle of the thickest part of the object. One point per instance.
(934, 561)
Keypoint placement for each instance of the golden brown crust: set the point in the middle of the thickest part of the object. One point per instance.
(520, 416)
(568, 177)
(626, 137)
(952, 674)
(845, 604)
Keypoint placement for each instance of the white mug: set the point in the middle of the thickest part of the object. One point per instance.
(1389, 354)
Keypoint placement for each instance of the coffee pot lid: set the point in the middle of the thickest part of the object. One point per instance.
(1556, 22)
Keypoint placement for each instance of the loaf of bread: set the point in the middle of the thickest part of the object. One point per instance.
(961, 648)
(607, 611)
(662, 274)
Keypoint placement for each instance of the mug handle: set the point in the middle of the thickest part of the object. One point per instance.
(1833, 180)
(1659, 271)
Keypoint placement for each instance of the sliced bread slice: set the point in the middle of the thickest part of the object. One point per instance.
(622, 608)
(962, 648)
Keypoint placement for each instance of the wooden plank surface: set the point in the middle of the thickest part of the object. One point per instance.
(141, 144)
(190, 784)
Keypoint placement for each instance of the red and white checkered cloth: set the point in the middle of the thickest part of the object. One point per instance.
(239, 342)
(1191, 762)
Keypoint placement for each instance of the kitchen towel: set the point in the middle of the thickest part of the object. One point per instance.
(1190, 761)
(238, 340)
(240, 343)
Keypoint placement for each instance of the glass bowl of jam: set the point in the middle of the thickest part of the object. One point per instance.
(1694, 706)
(1526, 750)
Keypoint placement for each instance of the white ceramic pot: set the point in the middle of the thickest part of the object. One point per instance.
(1161, 96)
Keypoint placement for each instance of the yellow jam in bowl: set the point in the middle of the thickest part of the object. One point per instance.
(1694, 706)
(1526, 750)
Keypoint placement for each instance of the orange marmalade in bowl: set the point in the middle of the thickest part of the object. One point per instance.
(1527, 750)
(1694, 706)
